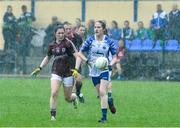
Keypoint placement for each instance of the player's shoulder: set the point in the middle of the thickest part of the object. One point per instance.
(76, 35)
(108, 40)
(90, 38)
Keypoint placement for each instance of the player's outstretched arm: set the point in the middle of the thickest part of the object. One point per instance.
(82, 57)
(114, 60)
(37, 70)
(78, 63)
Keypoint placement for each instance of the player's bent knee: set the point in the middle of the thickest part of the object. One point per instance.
(71, 97)
(68, 99)
(54, 94)
(102, 93)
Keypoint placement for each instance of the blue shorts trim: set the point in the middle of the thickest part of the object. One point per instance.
(104, 75)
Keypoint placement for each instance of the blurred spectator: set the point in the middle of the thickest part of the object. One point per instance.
(77, 25)
(25, 35)
(159, 22)
(50, 32)
(114, 32)
(120, 56)
(127, 32)
(82, 32)
(151, 32)
(77, 41)
(74, 37)
(38, 42)
(174, 23)
(25, 20)
(9, 29)
(25, 29)
(90, 28)
(141, 32)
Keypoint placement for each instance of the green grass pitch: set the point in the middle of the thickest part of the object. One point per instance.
(25, 102)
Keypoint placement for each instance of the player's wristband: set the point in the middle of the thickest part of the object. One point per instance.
(76, 69)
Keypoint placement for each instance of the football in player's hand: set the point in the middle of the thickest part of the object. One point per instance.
(101, 63)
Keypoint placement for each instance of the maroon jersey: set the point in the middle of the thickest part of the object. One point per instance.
(62, 52)
(77, 41)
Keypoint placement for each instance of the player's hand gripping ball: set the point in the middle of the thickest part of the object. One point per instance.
(101, 63)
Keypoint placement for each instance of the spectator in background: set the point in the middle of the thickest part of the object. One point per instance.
(77, 41)
(120, 56)
(90, 28)
(114, 32)
(151, 32)
(159, 22)
(127, 32)
(174, 23)
(50, 32)
(73, 36)
(25, 35)
(9, 29)
(141, 32)
(82, 32)
(77, 25)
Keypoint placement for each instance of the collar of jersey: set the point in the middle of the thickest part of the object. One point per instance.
(103, 40)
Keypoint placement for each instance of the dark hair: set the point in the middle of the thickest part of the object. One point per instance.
(67, 23)
(106, 32)
(114, 22)
(58, 27)
(78, 19)
(9, 6)
(54, 18)
(24, 7)
(159, 5)
(82, 26)
(140, 22)
(102, 24)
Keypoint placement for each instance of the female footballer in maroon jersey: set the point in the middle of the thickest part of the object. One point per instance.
(61, 49)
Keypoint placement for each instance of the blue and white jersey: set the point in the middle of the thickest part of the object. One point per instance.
(95, 49)
(159, 19)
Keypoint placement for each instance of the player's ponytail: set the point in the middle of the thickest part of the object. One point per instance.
(106, 32)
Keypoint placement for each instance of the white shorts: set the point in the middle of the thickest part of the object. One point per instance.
(67, 81)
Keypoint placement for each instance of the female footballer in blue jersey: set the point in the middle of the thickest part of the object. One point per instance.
(98, 45)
